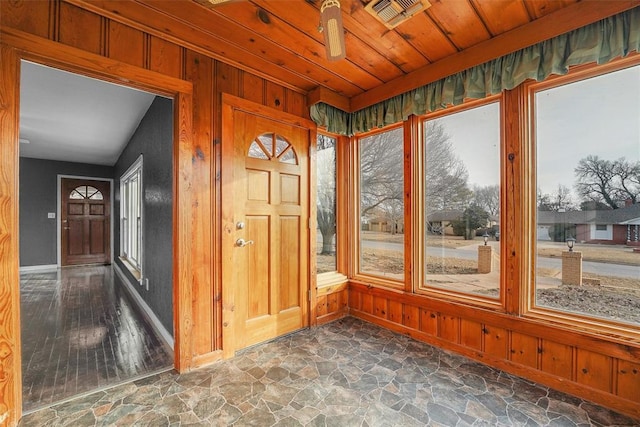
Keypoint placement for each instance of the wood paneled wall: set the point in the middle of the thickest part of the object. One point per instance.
(595, 369)
(332, 303)
(197, 164)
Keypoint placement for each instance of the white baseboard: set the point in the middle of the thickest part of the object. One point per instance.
(153, 319)
(36, 268)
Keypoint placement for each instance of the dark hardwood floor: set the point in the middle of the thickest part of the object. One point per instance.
(80, 332)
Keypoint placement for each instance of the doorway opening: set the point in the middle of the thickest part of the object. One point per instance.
(93, 313)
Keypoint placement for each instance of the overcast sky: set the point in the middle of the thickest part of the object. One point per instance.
(599, 116)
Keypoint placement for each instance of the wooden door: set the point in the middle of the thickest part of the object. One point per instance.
(269, 234)
(85, 222)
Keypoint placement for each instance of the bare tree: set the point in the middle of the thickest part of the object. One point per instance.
(446, 175)
(627, 176)
(607, 181)
(487, 197)
(326, 191)
(560, 200)
(381, 172)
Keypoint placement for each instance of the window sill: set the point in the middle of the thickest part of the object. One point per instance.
(601, 328)
(133, 270)
(332, 278)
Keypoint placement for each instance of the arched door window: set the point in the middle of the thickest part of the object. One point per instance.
(270, 146)
(85, 192)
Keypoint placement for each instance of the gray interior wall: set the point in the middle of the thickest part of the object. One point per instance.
(154, 140)
(39, 196)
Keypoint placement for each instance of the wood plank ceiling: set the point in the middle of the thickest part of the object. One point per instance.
(279, 39)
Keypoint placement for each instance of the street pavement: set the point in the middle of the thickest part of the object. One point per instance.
(471, 252)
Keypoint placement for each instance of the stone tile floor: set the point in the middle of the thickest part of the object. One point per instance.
(347, 373)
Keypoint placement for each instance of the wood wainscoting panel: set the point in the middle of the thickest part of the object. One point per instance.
(594, 370)
(394, 311)
(524, 349)
(321, 306)
(471, 334)
(628, 380)
(411, 317)
(331, 303)
(449, 328)
(496, 341)
(366, 303)
(557, 359)
(429, 322)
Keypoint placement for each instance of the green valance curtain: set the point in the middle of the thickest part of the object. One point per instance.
(599, 42)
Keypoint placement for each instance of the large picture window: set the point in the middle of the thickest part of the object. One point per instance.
(131, 191)
(462, 201)
(587, 139)
(381, 204)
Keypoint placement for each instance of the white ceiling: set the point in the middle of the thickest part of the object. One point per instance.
(73, 118)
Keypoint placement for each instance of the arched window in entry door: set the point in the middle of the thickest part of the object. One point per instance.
(270, 146)
(85, 192)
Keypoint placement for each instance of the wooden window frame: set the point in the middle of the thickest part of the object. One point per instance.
(133, 264)
(354, 273)
(339, 276)
(612, 329)
(421, 286)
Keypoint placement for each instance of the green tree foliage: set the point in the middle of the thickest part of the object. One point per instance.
(474, 217)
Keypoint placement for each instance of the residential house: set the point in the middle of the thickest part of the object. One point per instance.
(610, 226)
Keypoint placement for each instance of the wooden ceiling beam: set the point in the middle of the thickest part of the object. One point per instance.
(322, 94)
(549, 26)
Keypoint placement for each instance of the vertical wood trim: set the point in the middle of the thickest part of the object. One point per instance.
(313, 228)
(54, 20)
(514, 195)
(198, 69)
(184, 214)
(354, 208)
(217, 204)
(226, 188)
(414, 197)
(146, 51)
(342, 204)
(10, 372)
(104, 36)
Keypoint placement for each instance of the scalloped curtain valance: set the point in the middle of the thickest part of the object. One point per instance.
(599, 42)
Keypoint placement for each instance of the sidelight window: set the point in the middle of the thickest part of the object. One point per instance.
(131, 216)
(326, 204)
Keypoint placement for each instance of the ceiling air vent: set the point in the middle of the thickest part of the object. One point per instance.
(393, 12)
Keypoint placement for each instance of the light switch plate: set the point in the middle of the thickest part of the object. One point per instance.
(51, 215)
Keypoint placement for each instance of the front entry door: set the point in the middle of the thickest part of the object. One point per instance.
(85, 222)
(269, 231)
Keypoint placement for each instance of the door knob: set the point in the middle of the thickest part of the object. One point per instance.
(242, 243)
